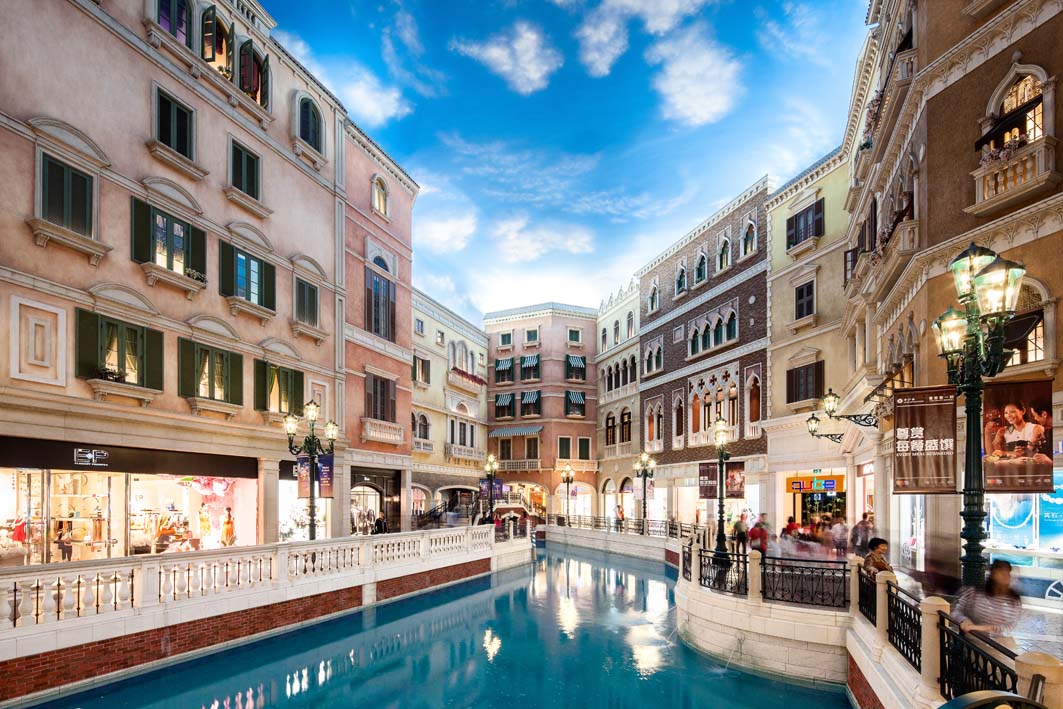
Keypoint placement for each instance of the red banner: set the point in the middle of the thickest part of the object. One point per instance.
(734, 487)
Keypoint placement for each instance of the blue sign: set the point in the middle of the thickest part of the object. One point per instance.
(1051, 517)
(484, 493)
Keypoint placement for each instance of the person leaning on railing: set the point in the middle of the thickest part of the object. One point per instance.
(994, 609)
(877, 557)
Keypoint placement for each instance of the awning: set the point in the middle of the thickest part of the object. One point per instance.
(577, 361)
(576, 397)
(502, 365)
(504, 399)
(515, 431)
(529, 397)
(529, 361)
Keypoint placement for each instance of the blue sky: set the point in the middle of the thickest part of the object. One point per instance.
(560, 144)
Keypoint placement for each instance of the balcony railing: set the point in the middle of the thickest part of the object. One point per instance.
(654, 446)
(677, 443)
(1004, 182)
(619, 450)
(727, 572)
(465, 380)
(516, 465)
(381, 431)
(453, 450)
(580, 466)
(423, 446)
(623, 392)
(753, 429)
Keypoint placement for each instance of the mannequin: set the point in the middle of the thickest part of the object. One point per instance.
(228, 528)
(205, 527)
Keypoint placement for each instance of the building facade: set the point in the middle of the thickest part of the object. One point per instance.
(703, 357)
(543, 402)
(449, 417)
(618, 398)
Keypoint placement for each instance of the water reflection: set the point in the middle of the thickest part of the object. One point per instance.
(577, 629)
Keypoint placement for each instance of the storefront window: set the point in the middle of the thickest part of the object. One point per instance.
(1029, 523)
(170, 513)
(366, 503)
(294, 513)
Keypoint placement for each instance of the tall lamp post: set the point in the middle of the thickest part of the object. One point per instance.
(644, 467)
(311, 446)
(972, 343)
(720, 437)
(490, 472)
(567, 476)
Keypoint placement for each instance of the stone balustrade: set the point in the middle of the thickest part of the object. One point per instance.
(382, 431)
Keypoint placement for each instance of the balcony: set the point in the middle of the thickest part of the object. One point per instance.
(1010, 180)
(619, 450)
(654, 446)
(753, 430)
(453, 450)
(677, 443)
(420, 445)
(623, 392)
(518, 465)
(852, 197)
(580, 466)
(900, 78)
(381, 431)
(464, 380)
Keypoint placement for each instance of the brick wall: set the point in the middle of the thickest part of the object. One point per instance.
(437, 577)
(671, 557)
(861, 690)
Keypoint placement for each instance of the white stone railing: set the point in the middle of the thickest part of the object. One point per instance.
(454, 450)
(381, 431)
(580, 466)
(423, 446)
(526, 464)
(753, 429)
(619, 450)
(622, 392)
(1027, 171)
(654, 446)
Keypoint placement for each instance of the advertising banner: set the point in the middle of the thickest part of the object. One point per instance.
(325, 468)
(1017, 436)
(924, 441)
(302, 474)
(736, 480)
(707, 481)
(734, 486)
(638, 490)
(484, 493)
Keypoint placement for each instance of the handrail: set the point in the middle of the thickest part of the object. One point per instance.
(992, 699)
(818, 582)
(968, 666)
(727, 572)
(867, 600)
(904, 626)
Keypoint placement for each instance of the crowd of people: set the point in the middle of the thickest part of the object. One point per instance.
(821, 537)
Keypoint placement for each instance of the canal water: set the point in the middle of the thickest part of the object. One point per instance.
(574, 629)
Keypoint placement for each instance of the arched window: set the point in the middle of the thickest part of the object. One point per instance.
(655, 299)
(380, 195)
(651, 431)
(753, 407)
(625, 426)
(616, 332)
(723, 258)
(749, 240)
(610, 429)
(706, 412)
(695, 341)
(631, 324)
(379, 261)
(216, 43)
(633, 370)
(605, 338)
(310, 124)
(732, 404)
(175, 16)
(660, 422)
(1020, 117)
(706, 337)
(701, 270)
(1025, 333)
(658, 359)
(718, 413)
(677, 418)
(422, 427)
(623, 373)
(254, 73)
(695, 414)
(717, 332)
(681, 281)
(732, 327)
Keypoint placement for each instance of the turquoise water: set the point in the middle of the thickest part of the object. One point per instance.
(576, 628)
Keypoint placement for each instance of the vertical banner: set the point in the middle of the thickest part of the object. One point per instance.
(325, 468)
(1017, 436)
(302, 473)
(924, 441)
(708, 478)
(735, 485)
(484, 491)
(638, 489)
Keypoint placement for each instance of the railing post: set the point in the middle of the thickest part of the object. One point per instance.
(280, 566)
(1029, 664)
(882, 612)
(753, 579)
(146, 586)
(930, 652)
(695, 563)
(855, 562)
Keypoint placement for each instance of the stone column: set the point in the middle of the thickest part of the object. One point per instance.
(881, 604)
(1029, 664)
(268, 483)
(883, 486)
(405, 500)
(340, 504)
(930, 662)
(855, 562)
(754, 576)
(851, 516)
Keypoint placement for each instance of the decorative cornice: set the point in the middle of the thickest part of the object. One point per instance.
(714, 292)
(540, 310)
(445, 316)
(389, 349)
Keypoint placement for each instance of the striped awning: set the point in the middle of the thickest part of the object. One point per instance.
(502, 365)
(576, 397)
(529, 397)
(504, 399)
(529, 361)
(515, 431)
(578, 361)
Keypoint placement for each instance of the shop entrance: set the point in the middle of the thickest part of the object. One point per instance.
(366, 504)
(818, 504)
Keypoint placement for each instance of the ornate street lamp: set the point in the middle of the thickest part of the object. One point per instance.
(490, 471)
(311, 446)
(830, 407)
(567, 476)
(972, 344)
(721, 436)
(643, 466)
(813, 427)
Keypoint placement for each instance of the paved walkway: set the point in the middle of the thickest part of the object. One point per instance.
(1040, 630)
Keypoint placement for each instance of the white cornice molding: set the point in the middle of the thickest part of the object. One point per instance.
(445, 316)
(814, 175)
(719, 289)
(375, 459)
(471, 473)
(359, 336)
(704, 365)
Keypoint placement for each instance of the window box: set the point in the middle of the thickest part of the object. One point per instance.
(800, 248)
(105, 387)
(248, 202)
(200, 405)
(800, 323)
(314, 333)
(1030, 171)
(242, 305)
(156, 273)
(165, 154)
(44, 231)
(381, 431)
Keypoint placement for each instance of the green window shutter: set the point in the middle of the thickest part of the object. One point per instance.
(230, 40)
(197, 250)
(261, 385)
(154, 354)
(247, 58)
(428, 371)
(369, 300)
(140, 248)
(263, 91)
(88, 344)
(297, 393)
(186, 367)
(269, 286)
(235, 378)
(311, 306)
(226, 268)
(210, 20)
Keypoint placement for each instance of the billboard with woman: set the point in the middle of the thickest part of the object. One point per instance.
(1017, 436)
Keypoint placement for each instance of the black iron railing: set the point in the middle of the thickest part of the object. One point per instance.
(814, 583)
(972, 661)
(904, 624)
(867, 600)
(656, 528)
(727, 573)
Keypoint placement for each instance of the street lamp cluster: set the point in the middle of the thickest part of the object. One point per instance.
(311, 446)
(491, 472)
(567, 476)
(643, 467)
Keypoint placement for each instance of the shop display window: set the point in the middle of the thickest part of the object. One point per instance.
(1030, 523)
(294, 513)
(170, 513)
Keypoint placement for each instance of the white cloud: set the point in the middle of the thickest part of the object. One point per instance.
(444, 234)
(299, 49)
(698, 79)
(518, 240)
(603, 35)
(406, 29)
(522, 56)
(804, 135)
(796, 34)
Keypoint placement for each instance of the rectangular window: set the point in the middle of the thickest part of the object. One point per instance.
(305, 302)
(418, 326)
(379, 398)
(505, 339)
(584, 451)
(575, 335)
(379, 305)
(422, 370)
(505, 406)
(173, 124)
(804, 383)
(531, 403)
(531, 448)
(804, 300)
(121, 351)
(245, 170)
(280, 390)
(575, 404)
(529, 368)
(531, 336)
(564, 447)
(804, 225)
(175, 17)
(66, 196)
(625, 427)
(503, 376)
(212, 367)
(576, 367)
(505, 449)
(170, 241)
(249, 273)
(209, 372)
(118, 351)
(441, 338)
